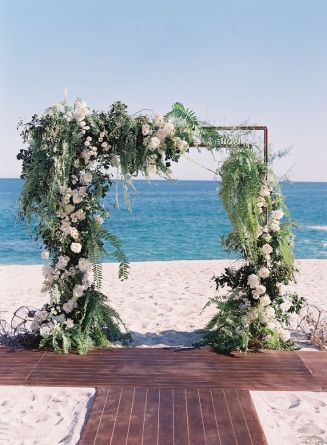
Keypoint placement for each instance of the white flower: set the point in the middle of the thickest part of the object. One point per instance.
(281, 289)
(45, 331)
(253, 280)
(99, 219)
(74, 233)
(80, 110)
(255, 295)
(76, 247)
(270, 312)
(264, 272)
(80, 214)
(275, 227)
(167, 130)
(284, 335)
(60, 318)
(267, 249)
(87, 143)
(84, 265)
(76, 163)
(260, 289)
(265, 300)
(69, 323)
(266, 237)
(154, 143)
(87, 178)
(158, 119)
(277, 214)
(151, 169)
(62, 262)
(78, 291)
(68, 306)
(264, 191)
(89, 138)
(145, 129)
(104, 144)
(181, 145)
(45, 255)
(102, 134)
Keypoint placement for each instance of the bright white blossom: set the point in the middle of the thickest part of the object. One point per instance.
(264, 191)
(267, 249)
(260, 289)
(154, 143)
(253, 281)
(265, 300)
(99, 219)
(76, 247)
(145, 129)
(78, 291)
(264, 272)
(69, 323)
(87, 178)
(275, 227)
(277, 214)
(84, 265)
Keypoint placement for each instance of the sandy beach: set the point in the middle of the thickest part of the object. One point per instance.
(161, 304)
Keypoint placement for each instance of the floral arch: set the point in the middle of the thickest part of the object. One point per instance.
(67, 170)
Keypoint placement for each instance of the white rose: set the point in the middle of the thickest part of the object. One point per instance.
(267, 249)
(76, 247)
(270, 312)
(264, 272)
(102, 134)
(253, 280)
(281, 288)
(45, 331)
(74, 233)
(69, 323)
(87, 143)
(260, 289)
(284, 335)
(154, 143)
(87, 178)
(266, 237)
(45, 255)
(255, 294)
(99, 219)
(84, 265)
(89, 138)
(78, 291)
(104, 144)
(68, 307)
(277, 214)
(275, 227)
(145, 129)
(265, 300)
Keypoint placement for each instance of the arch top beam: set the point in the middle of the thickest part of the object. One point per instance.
(245, 128)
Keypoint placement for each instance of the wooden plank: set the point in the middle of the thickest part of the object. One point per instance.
(121, 430)
(194, 416)
(237, 417)
(136, 426)
(225, 426)
(251, 418)
(151, 418)
(89, 434)
(209, 418)
(109, 416)
(181, 431)
(166, 417)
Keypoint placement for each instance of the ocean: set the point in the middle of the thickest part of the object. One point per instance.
(171, 220)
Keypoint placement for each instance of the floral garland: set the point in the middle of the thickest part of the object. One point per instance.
(257, 306)
(65, 172)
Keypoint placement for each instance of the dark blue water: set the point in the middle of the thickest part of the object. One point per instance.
(172, 221)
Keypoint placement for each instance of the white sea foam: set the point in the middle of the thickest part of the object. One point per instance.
(324, 228)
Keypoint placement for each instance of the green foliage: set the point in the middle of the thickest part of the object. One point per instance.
(241, 176)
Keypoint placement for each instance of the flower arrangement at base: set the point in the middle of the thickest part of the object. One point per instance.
(254, 311)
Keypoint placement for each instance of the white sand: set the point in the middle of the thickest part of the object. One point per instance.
(43, 416)
(160, 304)
(292, 418)
(161, 301)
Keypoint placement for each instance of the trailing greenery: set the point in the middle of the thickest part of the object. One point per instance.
(252, 300)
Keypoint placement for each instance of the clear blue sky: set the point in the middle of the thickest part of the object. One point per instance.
(260, 61)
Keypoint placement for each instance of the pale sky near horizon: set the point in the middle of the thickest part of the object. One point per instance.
(231, 61)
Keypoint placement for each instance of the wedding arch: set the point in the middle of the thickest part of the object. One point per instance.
(67, 171)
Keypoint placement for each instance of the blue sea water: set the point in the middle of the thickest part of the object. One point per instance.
(171, 220)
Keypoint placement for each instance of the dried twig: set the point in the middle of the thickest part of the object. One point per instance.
(314, 324)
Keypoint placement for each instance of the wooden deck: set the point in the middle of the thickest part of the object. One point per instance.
(167, 396)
